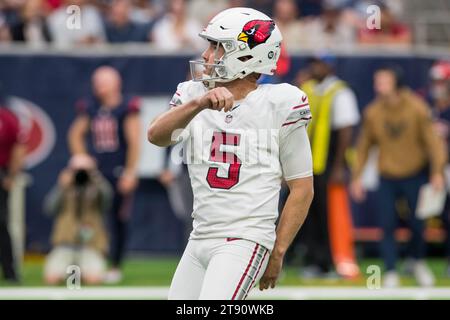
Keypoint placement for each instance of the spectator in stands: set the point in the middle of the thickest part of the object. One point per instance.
(265, 6)
(391, 31)
(176, 30)
(11, 10)
(91, 25)
(32, 27)
(5, 35)
(143, 12)
(410, 153)
(329, 30)
(12, 154)
(309, 7)
(440, 97)
(108, 128)
(79, 238)
(53, 4)
(204, 10)
(285, 15)
(119, 27)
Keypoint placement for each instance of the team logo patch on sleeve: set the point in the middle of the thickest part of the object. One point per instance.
(298, 114)
(176, 101)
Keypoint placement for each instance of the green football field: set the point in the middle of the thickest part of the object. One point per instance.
(158, 271)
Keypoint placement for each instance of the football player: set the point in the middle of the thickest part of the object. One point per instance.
(241, 139)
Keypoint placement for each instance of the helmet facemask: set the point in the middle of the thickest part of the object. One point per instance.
(219, 71)
(216, 71)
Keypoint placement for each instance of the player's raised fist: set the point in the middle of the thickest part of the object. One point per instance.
(217, 99)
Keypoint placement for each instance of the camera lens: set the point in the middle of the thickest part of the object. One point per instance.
(81, 177)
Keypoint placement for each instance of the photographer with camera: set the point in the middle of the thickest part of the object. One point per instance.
(79, 237)
(107, 127)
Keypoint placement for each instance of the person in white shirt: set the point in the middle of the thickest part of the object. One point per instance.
(241, 139)
(90, 29)
(176, 31)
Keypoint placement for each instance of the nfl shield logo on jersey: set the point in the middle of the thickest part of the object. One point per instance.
(228, 118)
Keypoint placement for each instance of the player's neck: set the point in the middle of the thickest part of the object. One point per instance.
(240, 88)
(112, 100)
(392, 99)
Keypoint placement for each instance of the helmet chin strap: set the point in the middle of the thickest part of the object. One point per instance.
(210, 84)
(214, 76)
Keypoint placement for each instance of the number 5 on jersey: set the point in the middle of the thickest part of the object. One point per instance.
(219, 139)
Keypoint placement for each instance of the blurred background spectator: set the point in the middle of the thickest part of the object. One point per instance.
(119, 26)
(78, 203)
(176, 30)
(108, 128)
(91, 26)
(411, 153)
(391, 31)
(12, 156)
(335, 114)
(440, 99)
(204, 10)
(32, 24)
(143, 11)
(286, 17)
(328, 30)
(306, 23)
(5, 35)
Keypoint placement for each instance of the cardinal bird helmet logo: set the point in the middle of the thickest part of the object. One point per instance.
(256, 32)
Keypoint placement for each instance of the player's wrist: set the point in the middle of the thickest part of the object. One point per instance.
(278, 252)
(198, 104)
(129, 173)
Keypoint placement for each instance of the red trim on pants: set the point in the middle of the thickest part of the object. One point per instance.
(246, 271)
(256, 275)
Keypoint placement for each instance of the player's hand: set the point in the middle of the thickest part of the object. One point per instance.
(65, 178)
(437, 181)
(357, 191)
(166, 178)
(127, 184)
(273, 270)
(217, 99)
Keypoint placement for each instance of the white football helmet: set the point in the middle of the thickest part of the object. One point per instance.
(252, 43)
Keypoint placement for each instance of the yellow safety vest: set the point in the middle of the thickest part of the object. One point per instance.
(319, 130)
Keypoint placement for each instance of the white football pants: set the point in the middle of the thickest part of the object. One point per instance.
(218, 269)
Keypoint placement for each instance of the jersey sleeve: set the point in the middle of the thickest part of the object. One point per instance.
(81, 106)
(345, 110)
(180, 96)
(295, 155)
(293, 110)
(134, 105)
(293, 118)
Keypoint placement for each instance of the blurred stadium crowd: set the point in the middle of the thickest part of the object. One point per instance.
(173, 25)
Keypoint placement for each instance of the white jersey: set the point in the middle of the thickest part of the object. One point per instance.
(237, 160)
